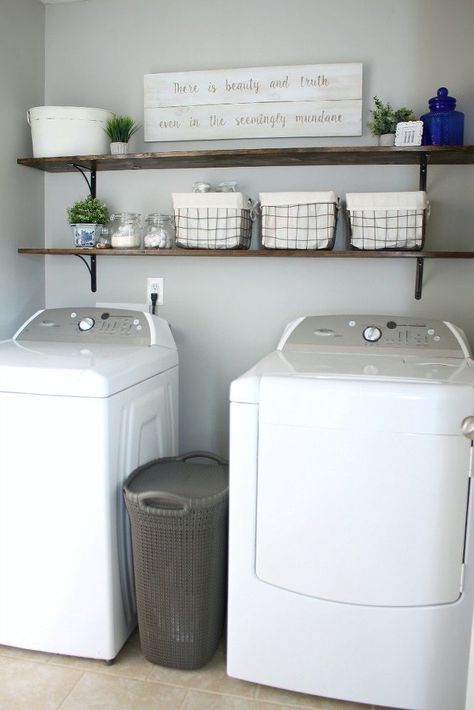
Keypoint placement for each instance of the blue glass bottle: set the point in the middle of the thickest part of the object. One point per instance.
(443, 125)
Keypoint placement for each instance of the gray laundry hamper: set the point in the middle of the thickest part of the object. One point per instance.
(178, 513)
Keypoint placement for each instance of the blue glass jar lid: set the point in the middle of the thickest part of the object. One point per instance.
(442, 101)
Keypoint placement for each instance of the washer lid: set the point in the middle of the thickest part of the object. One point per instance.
(85, 352)
(347, 347)
(350, 366)
(79, 370)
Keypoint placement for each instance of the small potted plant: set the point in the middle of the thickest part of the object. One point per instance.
(384, 119)
(86, 218)
(120, 129)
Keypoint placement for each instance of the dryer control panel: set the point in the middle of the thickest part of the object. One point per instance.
(385, 334)
(94, 325)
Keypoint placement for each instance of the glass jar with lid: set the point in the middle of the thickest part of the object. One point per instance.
(126, 230)
(443, 125)
(159, 231)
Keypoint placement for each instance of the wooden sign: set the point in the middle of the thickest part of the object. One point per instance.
(261, 102)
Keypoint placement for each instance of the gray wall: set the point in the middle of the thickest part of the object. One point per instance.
(227, 313)
(21, 193)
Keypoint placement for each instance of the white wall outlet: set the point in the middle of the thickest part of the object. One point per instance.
(154, 285)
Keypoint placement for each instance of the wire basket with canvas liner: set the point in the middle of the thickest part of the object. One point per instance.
(213, 220)
(298, 220)
(387, 220)
(178, 513)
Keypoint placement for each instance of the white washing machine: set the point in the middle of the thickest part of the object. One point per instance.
(86, 395)
(351, 551)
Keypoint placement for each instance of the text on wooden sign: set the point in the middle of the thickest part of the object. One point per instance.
(309, 100)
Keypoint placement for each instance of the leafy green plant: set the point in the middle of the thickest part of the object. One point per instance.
(385, 117)
(88, 211)
(120, 129)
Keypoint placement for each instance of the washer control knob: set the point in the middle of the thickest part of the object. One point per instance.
(86, 323)
(467, 427)
(372, 333)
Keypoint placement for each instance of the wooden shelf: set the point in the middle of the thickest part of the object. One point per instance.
(421, 156)
(420, 256)
(249, 253)
(258, 157)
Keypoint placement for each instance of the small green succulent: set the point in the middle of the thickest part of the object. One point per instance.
(88, 211)
(120, 129)
(385, 117)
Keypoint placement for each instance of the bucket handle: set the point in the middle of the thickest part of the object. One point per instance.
(201, 455)
(28, 117)
(181, 505)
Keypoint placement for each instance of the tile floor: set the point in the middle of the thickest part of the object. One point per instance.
(41, 681)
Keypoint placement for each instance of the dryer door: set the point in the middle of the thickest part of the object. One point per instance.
(362, 489)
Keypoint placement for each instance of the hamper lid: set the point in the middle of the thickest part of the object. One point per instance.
(387, 200)
(178, 476)
(276, 199)
(235, 200)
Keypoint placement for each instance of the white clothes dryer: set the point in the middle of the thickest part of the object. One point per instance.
(351, 562)
(86, 396)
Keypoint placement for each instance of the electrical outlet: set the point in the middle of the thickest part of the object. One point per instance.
(154, 285)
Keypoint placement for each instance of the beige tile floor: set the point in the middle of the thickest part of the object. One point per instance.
(41, 681)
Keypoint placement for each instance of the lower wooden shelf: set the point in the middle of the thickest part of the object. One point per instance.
(420, 256)
(233, 253)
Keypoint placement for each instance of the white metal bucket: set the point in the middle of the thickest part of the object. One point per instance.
(68, 130)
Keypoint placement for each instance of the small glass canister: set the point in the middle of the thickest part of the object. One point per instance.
(105, 235)
(159, 231)
(126, 230)
(443, 125)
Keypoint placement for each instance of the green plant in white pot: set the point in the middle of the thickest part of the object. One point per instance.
(120, 129)
(384, 119)
(86, 218)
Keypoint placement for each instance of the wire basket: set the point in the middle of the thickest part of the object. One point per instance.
(298, 220)
(178, 516)
(388, 221)
(213, 220)
(299, 226)
(213, 227)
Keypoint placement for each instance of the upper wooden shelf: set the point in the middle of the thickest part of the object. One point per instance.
(258, 157)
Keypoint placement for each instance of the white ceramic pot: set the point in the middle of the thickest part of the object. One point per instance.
(119, 148)
(86, 235)
(387, 139)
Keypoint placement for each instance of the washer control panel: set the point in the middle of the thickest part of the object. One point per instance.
(376, 333)
(94, 325)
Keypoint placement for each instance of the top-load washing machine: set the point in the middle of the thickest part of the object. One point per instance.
(351, 568)
(86, 395)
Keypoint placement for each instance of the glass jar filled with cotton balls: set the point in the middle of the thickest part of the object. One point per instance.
(159, 231)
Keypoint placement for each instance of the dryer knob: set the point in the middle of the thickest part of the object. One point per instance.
(372, 333)
(86, 323)
(467, 427)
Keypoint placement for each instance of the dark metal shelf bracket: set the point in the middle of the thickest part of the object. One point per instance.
(423, 171)
(92, 269)
(91, 183)
(420, 262)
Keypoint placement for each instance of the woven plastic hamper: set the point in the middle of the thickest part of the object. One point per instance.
(178, 513)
